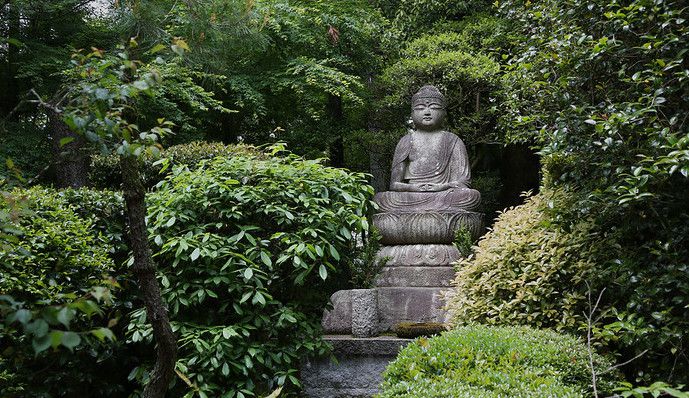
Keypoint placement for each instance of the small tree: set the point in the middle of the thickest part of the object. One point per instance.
(104, 91)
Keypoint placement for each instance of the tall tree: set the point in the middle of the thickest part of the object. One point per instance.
(104, 88)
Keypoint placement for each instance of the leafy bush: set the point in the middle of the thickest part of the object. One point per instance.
(105, 171)
(529, 271)
(55, 270)
(602, 87)
(483, 361)
(245, 246)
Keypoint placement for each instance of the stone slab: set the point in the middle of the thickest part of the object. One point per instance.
(410, 304)
(392, 306)
(415, 277)
(357, 372)
(419, 255)
(426, 227)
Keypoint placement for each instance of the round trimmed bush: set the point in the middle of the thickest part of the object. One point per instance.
(247, 247)
(488, 361)
(105, 170)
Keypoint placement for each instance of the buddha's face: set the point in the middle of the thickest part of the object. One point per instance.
(428, 115)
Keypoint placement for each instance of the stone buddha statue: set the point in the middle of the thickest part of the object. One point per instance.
(428, 202)
(430, 168)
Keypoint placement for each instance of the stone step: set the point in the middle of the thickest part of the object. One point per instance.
(415, 277)
(419, 255)
(357, 372)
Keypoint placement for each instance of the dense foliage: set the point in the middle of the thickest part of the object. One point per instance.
(530, 271)
(601, 87)
(56, 300)
(482, 361)
(240, 235)
(105, 171)
(254, 239)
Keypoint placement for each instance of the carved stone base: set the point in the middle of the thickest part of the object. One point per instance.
(428, 227)
(415, 276)
(366, 312)
(419, 255)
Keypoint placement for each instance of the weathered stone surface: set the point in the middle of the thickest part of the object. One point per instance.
(356, 346)
(429, 227)
(449, 200)
(419, 255)
(409, 304)
(415, 277)
(339, 318)
(364, 312)
(357, 373)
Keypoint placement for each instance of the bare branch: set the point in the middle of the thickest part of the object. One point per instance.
(625, 362)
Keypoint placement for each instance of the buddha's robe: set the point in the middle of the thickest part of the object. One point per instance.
(441, 160)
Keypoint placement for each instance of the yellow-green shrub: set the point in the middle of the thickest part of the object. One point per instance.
(528, 270)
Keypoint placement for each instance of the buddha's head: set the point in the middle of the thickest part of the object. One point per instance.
(428, 109)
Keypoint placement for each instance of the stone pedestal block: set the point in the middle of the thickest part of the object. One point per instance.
(357, 373)
(428, 227)
(391, 306)
(410, 304)
(419, 255)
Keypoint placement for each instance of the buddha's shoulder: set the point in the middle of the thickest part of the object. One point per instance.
(450, 136)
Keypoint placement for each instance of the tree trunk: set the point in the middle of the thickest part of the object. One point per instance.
(71, 160)
(144, 269)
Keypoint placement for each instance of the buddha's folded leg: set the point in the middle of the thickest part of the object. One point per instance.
(462, 199)
(412, 202)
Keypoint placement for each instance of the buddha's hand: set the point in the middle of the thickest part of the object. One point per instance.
(432, 187)
(440, 187)
(456, 184)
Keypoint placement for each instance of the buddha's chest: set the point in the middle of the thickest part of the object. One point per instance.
(425, 154)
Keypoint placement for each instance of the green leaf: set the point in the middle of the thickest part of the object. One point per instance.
(38, 328)
(41, 343)
(103, 333)
(70, 340)
(334, 253)
(323, 272)
(65, 315)
(55, 338)
(248, 273)
(157, 48)
(195, 254)
(266, 259)
(141, 85)
(23, 316)
(66, 140)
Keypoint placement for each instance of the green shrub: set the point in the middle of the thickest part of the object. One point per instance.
(54, 269)
(529, 271)
(483, 361)
(105, 171)
(245, 246)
